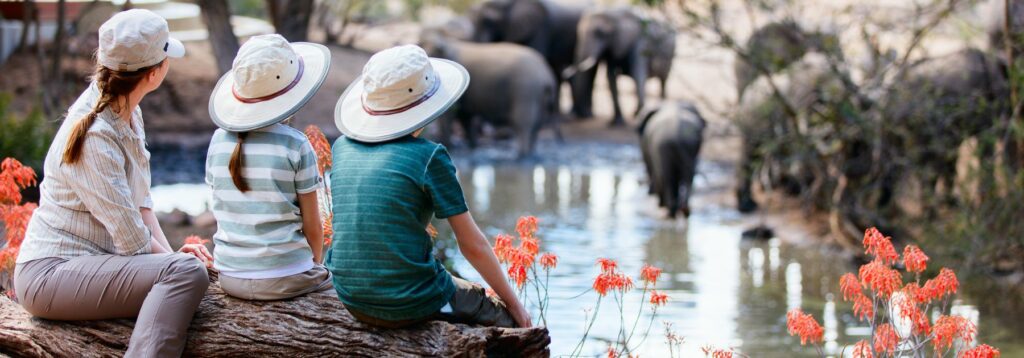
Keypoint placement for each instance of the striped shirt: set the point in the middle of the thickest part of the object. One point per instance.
(259, 232)
(92, 207)
(383, 198)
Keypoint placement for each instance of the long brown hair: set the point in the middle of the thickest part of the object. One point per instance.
(236, 164)
(114, 87)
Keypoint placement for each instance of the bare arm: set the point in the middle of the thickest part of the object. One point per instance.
(474, 246)
(311, 225)
(160, 244)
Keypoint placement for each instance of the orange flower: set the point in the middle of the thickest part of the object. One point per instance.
(721, 353)
(503, 247)
(880, 246)
(850, 287)
(658, 298)
(862, 307)
(521, 257)
(886, 339)
(943, 284)
(880, 278)
(948, 328)
(529, 245)
(914, 259)
(804, 325)
(607, 265)
(862, 350)
(517, 272)
(490, 293)
(526, 226)
(13, 177)
(320, 146)
(328, 229)
(982, 351)
(195, 239)
(612, 281)
(548, 260)
(650, 274)
(431, 230)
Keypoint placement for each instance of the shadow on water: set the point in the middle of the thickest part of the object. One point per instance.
(592, 202)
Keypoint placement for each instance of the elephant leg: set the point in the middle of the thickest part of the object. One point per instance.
(638, 71)
(446, 129)
(652, 181)
(664, 84)
(470, 129)
(689, 170)
(583, 93)
(744, 197)
(613, 73)
(530, 118)
(670, 183)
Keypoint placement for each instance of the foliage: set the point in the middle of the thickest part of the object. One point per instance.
(323, 160)
(26, 137)
(896, 312)
(14, 177)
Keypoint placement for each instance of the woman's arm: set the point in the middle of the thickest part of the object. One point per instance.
(157, 232)
(474, 246)
(311, 225)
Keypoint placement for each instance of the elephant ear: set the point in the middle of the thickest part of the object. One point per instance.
(645, 116)
(525, 19)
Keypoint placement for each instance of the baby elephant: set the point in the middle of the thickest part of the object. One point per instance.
(670, 137)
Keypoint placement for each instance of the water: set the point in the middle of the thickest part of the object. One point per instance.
(592, 202)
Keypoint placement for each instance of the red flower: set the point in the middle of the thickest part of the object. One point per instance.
(721, 353)
(658, 298)
(862, 307)
(503, 248)
(13, 177)
(948, 328)
(328, 229)
(850, 287)
(886, 339)
(650, 274)
(862, 350)
(612, 353)
(529, 245)
(526, 226)
(943, 284)
(880, 246)
(612, 281)
(804, 325)
(517, 272)
(880, 278)
(195, 239)
(982, 351)
(607, 265)
(490, 293)
(321, 147)
(914, 259)
(548, 260)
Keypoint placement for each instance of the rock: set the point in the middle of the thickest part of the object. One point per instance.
(313, 325)
(175, 218)
(759, 232)
(204, 220)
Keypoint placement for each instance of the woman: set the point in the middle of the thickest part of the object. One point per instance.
(94, 249)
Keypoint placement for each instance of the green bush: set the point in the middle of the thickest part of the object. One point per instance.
(26, 137)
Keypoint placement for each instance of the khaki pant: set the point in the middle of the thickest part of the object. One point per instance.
(470, 305)
(315, 280)
(161, 290)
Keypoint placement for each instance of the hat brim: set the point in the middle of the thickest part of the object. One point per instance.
(354, 122)
(233, 115)
(175, 49)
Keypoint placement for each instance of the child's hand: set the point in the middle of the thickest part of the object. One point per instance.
(199, 251)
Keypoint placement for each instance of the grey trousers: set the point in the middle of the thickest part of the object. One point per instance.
(161, 290)
(267, 289)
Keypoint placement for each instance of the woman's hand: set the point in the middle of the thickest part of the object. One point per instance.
(522, 317)
(199, 251)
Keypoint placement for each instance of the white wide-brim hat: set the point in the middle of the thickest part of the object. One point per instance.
(255, 103)
(400, 91)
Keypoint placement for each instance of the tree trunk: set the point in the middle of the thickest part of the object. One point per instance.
(56, 79)
(217, 17)
(291, 17)
(313, 325)
(27, 15)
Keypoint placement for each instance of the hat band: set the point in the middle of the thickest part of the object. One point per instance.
(271, 96)
(430, 92)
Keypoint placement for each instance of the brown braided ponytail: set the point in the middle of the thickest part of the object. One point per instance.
(114, 87)
(236, 164)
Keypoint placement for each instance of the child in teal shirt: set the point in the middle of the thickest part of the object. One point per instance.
(387, 183)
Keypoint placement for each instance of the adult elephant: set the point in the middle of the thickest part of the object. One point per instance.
(545, 26)
(775, 46)
(617, 38)
(671, 134)
(661, 52)
(510, 87)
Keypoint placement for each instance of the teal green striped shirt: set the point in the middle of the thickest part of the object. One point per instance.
(383, 198)
(259, 232)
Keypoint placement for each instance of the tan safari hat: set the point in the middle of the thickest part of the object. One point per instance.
(134, 39)
(269, 81)
(400, 90)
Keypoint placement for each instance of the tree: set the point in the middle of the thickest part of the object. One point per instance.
(291, 18)
(217, 17)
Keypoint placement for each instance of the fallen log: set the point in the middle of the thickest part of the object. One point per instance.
(315, 325)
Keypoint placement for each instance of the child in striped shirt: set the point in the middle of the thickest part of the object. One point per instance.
(264, 174)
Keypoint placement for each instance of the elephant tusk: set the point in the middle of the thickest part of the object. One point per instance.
(583, 66)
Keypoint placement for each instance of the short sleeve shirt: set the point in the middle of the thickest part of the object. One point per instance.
(384, 195)
(259, 232)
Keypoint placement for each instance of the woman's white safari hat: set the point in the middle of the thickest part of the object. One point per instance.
(135, 39)
(269, 81)
(400, 90)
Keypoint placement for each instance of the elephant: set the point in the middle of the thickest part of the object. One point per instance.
(671, 134)
(942, 101)
(510, 86)
(545, 26)
(617, 37)
(661, 52)
(775, 46)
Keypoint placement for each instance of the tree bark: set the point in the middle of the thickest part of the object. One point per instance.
(28, 16)
(217, 17)
(313, 325)
(291, 17)
(56, 79)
